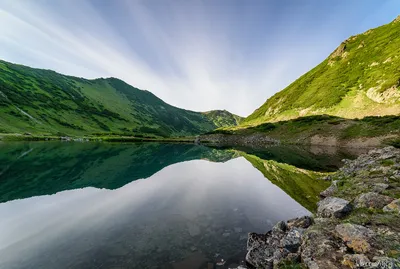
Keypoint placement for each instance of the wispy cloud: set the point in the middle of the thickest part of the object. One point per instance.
(198, 55)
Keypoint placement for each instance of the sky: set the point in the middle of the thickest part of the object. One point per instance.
(197, 55)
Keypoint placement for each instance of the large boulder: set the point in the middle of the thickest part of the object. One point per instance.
(333, 207)
(356, 237)
(261, 257)
(394, 206)
(255, 240)
(379, 187)
(372, 200)
(292, 240)
(281, 243)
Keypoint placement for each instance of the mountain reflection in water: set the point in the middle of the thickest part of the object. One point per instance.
(86, 205)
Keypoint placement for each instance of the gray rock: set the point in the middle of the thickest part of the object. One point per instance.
(280, 227)
(333, 207)
(311, 264)
(356, 260)
(330, 190)
(302, 222)
(372, 200)
(255, 240)
(394, 206)
(261, 257)
(384, 263)
(292, 240)
(379, 187)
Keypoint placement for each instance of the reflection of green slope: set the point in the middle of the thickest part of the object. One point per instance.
(31, 169)
(322, 159)
(302, 185)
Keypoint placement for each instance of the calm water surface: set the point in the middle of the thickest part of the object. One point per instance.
(86, 205)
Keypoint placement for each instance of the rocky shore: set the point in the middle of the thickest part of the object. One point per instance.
(257, 139)
(357, 223)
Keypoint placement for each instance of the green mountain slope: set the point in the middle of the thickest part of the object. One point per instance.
(43, 101)
(222, 118)
(360, 78)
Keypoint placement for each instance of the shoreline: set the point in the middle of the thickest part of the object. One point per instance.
(356, 225)
(262, 140)
(117, 139)
(257, 140)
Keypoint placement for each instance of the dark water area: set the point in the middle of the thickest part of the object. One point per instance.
(88, 205)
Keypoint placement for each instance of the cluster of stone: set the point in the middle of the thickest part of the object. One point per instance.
(330, 240)
(280, 244)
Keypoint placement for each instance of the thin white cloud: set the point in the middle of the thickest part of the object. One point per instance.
(197, 65)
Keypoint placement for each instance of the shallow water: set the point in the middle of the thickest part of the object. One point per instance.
(86, 205)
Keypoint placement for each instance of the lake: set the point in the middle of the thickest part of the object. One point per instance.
(103, 205)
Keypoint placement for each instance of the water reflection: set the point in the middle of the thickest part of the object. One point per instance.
(126, 206)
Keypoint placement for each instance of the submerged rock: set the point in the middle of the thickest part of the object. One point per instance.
(193, 229)
(333, 207)
(372, 200)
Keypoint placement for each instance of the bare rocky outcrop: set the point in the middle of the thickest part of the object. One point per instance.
(333, 207)
(257, 139)
(388, 96)
(372, 200)
(339, 51)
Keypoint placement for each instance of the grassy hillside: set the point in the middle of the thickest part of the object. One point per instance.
(326, 130)
(222, 118)
(360, 78)
(43, 101)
